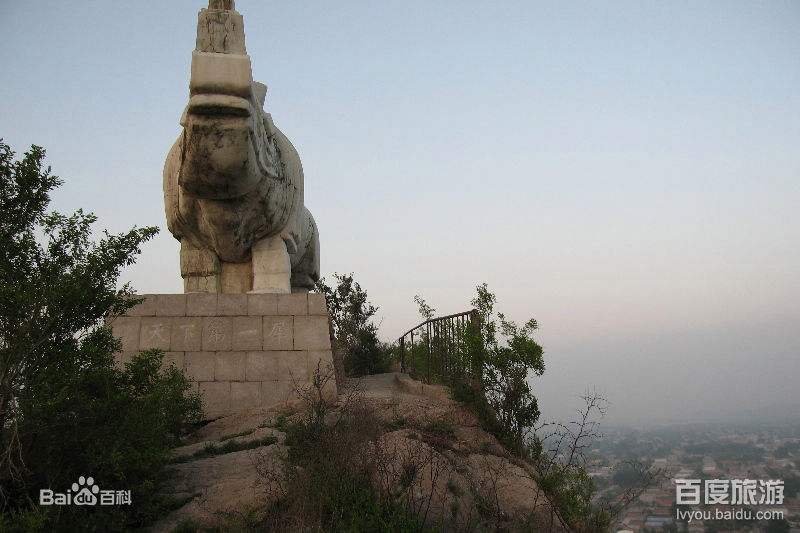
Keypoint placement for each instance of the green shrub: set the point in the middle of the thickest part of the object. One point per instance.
(488, 367)
(367, 355)
(356, 340)
(65, 410)
(571, 489)
(114, 425)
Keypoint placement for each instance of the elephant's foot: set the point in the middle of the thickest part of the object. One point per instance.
(200, 269)
(272, 268)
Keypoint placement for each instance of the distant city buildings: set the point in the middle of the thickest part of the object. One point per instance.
(760, 453)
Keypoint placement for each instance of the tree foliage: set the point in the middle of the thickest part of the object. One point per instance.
(510, 358)
(425, 311)
(355, 333)
(65, 409)
(494, 374)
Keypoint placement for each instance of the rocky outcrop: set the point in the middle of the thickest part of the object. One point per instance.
(462, 477)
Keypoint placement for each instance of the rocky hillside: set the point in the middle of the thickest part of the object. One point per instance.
(420, 451)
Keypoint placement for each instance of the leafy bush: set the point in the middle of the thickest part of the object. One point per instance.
(65, 409)
(490, 370)
(356, 341)
(509, 357)
(571, 489)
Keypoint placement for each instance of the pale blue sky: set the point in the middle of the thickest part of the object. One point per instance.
(626, 172)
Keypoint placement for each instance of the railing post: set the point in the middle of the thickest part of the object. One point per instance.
(477, 366)
(403, 353)
(413, 358)
(430, 352)
(450, 346)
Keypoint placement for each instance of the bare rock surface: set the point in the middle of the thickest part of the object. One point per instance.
(464, 478)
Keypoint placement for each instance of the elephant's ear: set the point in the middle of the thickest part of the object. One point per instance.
(260, 92)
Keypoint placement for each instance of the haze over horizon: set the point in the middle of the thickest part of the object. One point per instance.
(627, 173)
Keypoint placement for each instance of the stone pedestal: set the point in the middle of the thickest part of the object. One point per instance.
(239, 350)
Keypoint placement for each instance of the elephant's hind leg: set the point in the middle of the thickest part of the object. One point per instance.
(306, 272)
(200, 268)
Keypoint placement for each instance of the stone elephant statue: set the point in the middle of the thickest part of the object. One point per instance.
(233, 183)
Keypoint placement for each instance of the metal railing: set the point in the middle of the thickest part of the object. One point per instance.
(437, 348)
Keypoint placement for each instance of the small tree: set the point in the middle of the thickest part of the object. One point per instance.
(500, 358)
(65, 409)
(508, 361)
(425, 311)
(355, 334)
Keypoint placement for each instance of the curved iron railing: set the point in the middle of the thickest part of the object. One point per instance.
(437, 347)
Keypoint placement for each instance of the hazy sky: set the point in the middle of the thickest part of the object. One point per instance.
(628, 173)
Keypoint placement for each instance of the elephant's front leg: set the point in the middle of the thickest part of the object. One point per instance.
(272, 270)
(200, 268)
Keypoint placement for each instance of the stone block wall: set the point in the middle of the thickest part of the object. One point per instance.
(239, 350)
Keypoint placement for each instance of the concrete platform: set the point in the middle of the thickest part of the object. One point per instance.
(239, 350)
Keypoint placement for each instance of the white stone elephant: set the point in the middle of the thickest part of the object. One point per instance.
(233, 183)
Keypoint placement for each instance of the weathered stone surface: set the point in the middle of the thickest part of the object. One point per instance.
(317, 304)
(293, 304)
(216, 397)
(217, 333)
(220, 29)
(245, 395)
(226, 5)
(173, 359)
(200, 269)
(155, 333)
(311, 333)
(257, 366)
(247, 332)
(201, 304)
(146, 308)
(272, 266)
(277, 366)
(229, 366)
(236, 278)
(219, 485)
(126, 328)
(187, 334)
(320, 359)
(279, 392)
(278, 333)
(262, 304)
(232, 305)
(220, 74)
(199, 262)
(252, 357)
(170, 304)
(199, 366)
(238, 207)
(200, 283)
